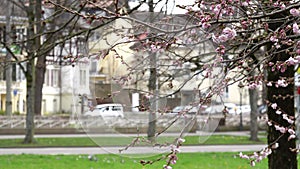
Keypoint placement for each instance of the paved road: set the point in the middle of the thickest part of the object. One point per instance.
(132, 150)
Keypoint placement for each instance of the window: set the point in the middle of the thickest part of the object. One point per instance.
(16, 73)
(81, 46)
(2, 73)
(93, 66)
(55, 106)
(82, 77)
(115, 108)
(52, 78)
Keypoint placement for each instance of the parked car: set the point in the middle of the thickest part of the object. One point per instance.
(214, 109)
(228, 108)
(231, 108)
(245, 109)
(106, 110)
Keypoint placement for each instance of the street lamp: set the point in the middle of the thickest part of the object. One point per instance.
(240, 85)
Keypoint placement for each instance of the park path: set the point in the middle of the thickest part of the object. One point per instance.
(131, 150)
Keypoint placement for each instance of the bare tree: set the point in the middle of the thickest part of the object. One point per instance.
(49, 25)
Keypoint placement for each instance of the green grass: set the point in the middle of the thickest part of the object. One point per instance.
(185, 161)
(122, 141)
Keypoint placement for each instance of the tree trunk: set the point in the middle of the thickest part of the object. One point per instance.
(8, 67)
(152, 86)
(30, 76)
(29, 136)
(282, 157)
(253, 96)
(153, 102)
(40, 65)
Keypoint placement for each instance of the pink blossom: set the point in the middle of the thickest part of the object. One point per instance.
(290, 121)
(282, 6)
(291, 137)
(206, 25)
(294, 12)
(277, 45)
(276, 145)
(253, 86)
(244, 24)
(259, 158)
(278, 112)
(269, 84)
(245, 3)
(274, 105)
(167, 167)
(291, 131)
(282, 68)
(217, 10)
(231, 33)
(269, 123)
(202, 6)
(227, 34)
(296, 29)
(281, 129)
(270, 63)
(285, 117)
(223, 38)
(175, 149)
(244, 156)
(252, 163)
(221, 50)
(292, 61)
(181, 140)
(273, 39)
(173, 161)
(282, 83)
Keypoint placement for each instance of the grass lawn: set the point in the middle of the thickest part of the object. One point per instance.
(122, 141)
(185, 161)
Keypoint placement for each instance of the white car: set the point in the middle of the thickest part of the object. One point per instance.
(106, 110)
(231, 108)
(245, 109)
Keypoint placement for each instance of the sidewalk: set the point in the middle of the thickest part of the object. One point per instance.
(131, 150)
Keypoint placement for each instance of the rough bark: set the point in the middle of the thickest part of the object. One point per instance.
(8, 68)
(30, 77)
(253, 96)
(29, 132)
(152, 87)
(282, 157)
(40, 65)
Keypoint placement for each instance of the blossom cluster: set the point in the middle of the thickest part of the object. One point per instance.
(280, 128)
(226, 35)
(258, 156)
(172, 157)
